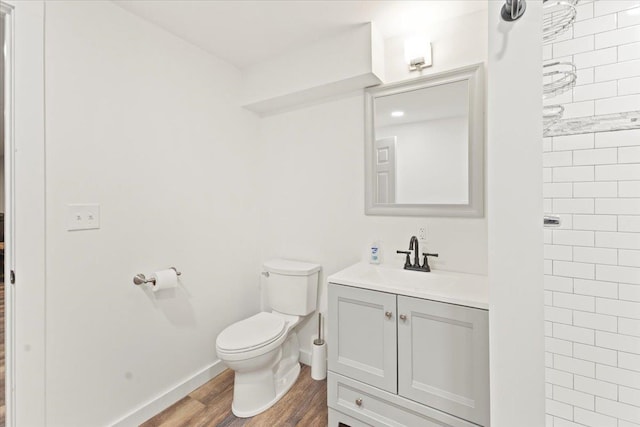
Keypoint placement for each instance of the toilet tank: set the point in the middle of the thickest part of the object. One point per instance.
(292, 286)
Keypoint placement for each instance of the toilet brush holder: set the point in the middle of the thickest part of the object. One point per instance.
(319, 360)
(319, 354)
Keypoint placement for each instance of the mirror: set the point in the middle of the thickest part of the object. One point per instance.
(424, 146)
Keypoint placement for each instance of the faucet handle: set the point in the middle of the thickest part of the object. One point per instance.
(407, 261)
(425, 262)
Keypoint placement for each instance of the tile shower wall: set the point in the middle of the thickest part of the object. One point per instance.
(592, 262)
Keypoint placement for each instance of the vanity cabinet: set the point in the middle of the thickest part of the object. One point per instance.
(399, 360)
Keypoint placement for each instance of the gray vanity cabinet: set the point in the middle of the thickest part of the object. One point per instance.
(403, 361)
(443, 357)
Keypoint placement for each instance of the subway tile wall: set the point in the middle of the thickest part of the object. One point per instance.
(592, 261)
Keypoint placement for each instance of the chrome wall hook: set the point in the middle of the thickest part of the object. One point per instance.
(141, 279)
(513, 10)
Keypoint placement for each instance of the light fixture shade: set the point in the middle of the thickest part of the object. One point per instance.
(417, 52)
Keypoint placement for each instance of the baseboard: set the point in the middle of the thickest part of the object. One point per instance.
(305, 357)
(171, 396)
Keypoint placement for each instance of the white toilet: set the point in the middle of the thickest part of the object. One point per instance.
(263, 350)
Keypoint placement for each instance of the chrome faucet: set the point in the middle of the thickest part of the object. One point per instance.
(413, 246)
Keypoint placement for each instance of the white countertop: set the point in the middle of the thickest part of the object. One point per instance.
(470, 290)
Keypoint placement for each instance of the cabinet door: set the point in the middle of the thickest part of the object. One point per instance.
(443, 357)
(362, 334)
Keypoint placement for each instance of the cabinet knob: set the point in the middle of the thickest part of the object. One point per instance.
(359, 401)
(388, 314)
(403, 317)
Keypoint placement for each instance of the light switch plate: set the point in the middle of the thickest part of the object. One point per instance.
(83, 216)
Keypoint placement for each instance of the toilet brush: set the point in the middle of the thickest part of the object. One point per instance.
(319, 340)
(319, 355)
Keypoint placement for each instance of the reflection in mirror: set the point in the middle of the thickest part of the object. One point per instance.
(424, 146)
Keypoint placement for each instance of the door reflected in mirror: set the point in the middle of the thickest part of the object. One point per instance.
(425, 150)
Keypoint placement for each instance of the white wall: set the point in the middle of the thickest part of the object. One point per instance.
(312, 176)
(515, 218)
(592, 304)
(432, 160)
(149, 127)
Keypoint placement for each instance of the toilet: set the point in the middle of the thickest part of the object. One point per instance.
(263, 349)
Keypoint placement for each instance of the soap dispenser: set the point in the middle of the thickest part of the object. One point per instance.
(375, 253)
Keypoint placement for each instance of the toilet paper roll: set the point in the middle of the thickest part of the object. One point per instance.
(319, 361)
(164, 279)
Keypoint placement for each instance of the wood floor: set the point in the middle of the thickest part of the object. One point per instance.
(305, 405)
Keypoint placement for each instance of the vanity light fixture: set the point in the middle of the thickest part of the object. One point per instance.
(397, 113)
(417, 53)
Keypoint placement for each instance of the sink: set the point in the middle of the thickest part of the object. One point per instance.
(470, 290)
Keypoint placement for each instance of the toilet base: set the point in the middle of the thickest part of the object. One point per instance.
(282, 386)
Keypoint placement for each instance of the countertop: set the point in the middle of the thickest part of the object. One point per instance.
(469, 290)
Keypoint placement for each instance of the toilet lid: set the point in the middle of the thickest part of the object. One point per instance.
(253, 332)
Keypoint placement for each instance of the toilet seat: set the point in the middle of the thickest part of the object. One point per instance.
(251, 334)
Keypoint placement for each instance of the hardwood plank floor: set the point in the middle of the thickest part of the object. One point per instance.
(305, 405)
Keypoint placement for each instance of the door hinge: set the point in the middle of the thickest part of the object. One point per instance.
(12, 277)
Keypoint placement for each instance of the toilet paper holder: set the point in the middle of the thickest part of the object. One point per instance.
(140, 279)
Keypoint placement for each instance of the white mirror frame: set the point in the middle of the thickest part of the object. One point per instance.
(475, 207)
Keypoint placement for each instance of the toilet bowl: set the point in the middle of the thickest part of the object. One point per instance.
(263, 349)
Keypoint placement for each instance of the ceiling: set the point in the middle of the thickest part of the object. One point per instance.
(247, 32)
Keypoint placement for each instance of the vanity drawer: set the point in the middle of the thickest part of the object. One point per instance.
(376, 407)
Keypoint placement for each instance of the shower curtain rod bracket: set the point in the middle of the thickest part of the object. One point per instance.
(513, 10)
